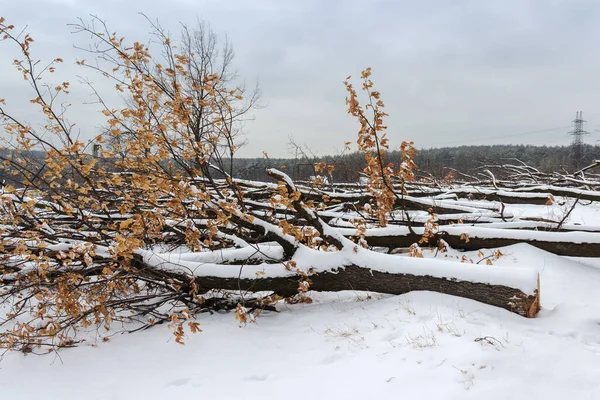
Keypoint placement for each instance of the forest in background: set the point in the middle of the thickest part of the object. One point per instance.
(437, 161)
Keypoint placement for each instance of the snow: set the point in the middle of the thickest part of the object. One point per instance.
(551, 188)
(289, 182)
(520, 234)
(583, 215)
(207, 264)
(492, 232)
(357, 345)
(351, 345)
(523, 195)
(263, 251)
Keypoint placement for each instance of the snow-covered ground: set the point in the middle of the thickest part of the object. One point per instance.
(351, 345)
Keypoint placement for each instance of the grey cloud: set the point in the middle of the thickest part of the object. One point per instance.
(450, 72)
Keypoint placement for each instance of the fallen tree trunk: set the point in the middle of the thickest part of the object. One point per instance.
(537, 195)
(438, 206)
(511, 288)
(502, 196)
(555, 247)
(573, 244)
(589, 195)
(362, 279)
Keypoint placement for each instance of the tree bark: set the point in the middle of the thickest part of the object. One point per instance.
(587, 195)
(363, 279)
(557, 247)
(538, 194)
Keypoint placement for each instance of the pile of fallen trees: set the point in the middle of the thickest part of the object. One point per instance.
(142, 233)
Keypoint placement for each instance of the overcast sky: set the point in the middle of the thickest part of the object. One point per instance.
(450, 72)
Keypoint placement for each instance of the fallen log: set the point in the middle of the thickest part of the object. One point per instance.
(573, 244)
(362, 279)
(511, 288)
(556, 191)
(438, 206)
(506, 196)
(555, 247)
(538, 194)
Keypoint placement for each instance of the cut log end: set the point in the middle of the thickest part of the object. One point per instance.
(535, 305)
(527, 306)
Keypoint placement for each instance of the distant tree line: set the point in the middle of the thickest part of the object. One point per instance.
(437, 162)
(468, 158)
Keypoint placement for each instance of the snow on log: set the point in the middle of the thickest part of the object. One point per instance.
(537, 195)
(466, 237)
(512, 288)
(503, 196)
(438, 206)
(575, 244)
(557, 191)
